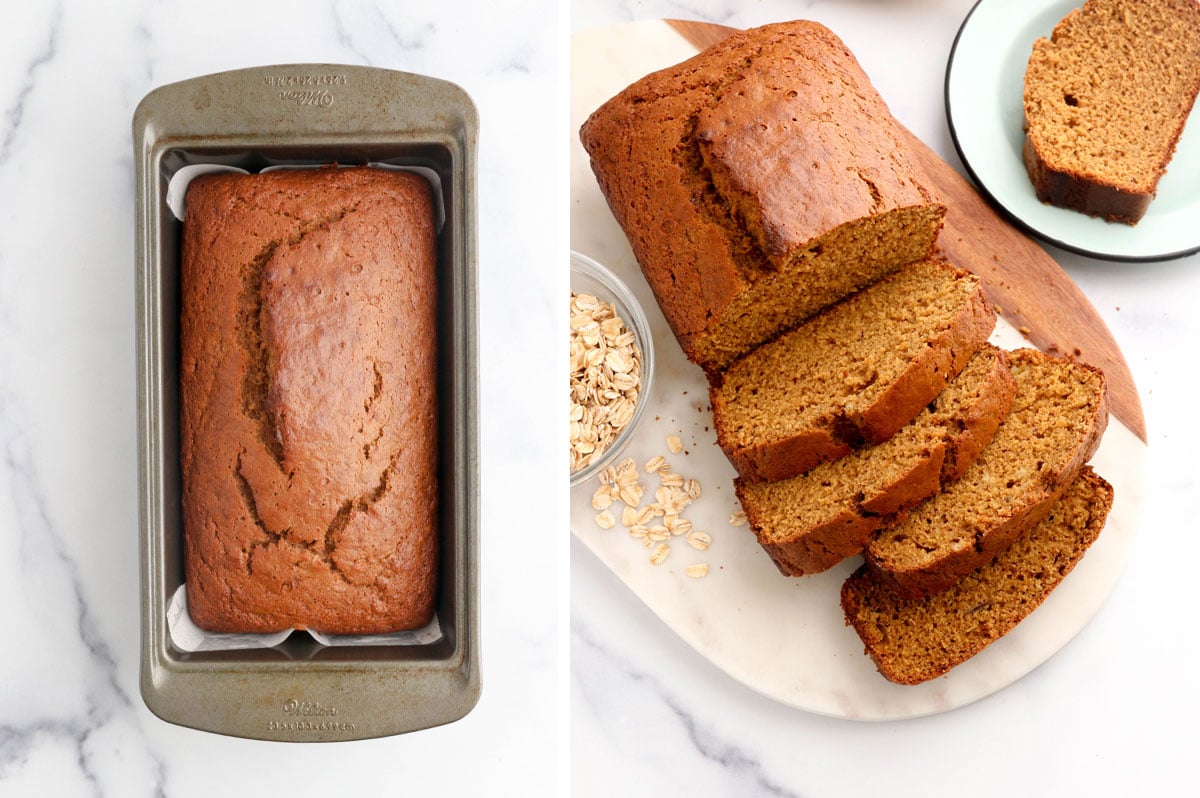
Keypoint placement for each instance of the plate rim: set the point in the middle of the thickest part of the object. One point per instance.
(1004, 209)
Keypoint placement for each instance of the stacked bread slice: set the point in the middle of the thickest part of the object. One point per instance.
(1053, 428)
(855, 373)
(810, 522)
(913, 640)
(876, 419)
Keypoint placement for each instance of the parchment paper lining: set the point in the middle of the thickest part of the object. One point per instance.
(189, 637)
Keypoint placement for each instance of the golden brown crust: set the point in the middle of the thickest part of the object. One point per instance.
(782, 458)
(922, 479)
(825, 545)
(1084, 193)
(708, 168)
(308, 401)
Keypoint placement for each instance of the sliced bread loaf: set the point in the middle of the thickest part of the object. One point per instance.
(811, 522)
(854, 374)
(1106, 98)
(914, 640)
(1055, 424)
(758, 182)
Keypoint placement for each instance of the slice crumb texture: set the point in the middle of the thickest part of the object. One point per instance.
(915, 640)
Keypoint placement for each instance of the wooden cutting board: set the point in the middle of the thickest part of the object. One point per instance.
(1026, 285)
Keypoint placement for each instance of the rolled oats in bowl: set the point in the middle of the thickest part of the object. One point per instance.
(611, 366)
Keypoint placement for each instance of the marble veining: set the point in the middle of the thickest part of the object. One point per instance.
(602, 668)
(103, 703)
(15, 111)
(411, 40)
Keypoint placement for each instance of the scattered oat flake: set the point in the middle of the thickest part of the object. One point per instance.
(631, 494)
(602, 499)
(674, 444)
(654, 464)
(738, 518)
(697, 570)
(660, 554)
(699, 540)
(680, 526)
(605, 520)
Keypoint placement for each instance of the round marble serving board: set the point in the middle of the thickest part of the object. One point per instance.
(785, 637)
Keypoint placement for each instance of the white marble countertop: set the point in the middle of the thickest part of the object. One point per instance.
(646, 714)
(72, 722)
(1108, 715)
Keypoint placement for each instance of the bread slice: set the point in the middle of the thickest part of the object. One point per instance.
(1106, 99)
(810, 523)
(758, 182)
(915, 640)
(1054, 427)
(854, 374)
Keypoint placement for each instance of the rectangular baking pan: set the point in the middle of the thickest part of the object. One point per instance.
(297, 115)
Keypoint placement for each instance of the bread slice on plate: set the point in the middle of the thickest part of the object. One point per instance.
(915, 640)
(758, 182)
(1106, 98)
(811, 522)
(854, 374)
(1057, 418)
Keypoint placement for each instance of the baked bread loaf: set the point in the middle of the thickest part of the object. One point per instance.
(915, 640)
(855, 373)
(810, 523)
(308, 418)
(757, 183)
(1106, 99)
(1057, 418)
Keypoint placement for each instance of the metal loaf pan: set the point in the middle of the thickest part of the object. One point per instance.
(304, 114)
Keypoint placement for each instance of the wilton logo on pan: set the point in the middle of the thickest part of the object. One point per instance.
(299, 712)
(306, 90)
(295, 707)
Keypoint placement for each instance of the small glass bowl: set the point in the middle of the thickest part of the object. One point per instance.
(588, 276)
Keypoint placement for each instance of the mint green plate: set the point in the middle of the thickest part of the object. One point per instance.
(984, 81)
